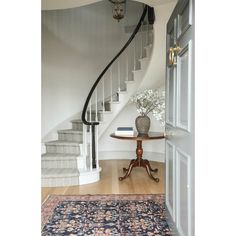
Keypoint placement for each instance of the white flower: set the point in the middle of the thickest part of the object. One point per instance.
(151, 101)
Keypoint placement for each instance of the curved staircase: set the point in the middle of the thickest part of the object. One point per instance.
(70, 159)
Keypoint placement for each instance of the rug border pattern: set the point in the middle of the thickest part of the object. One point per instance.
(52, 201)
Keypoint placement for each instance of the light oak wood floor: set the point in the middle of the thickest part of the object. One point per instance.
(137, 183)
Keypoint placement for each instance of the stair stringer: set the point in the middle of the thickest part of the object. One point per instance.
(124, 96)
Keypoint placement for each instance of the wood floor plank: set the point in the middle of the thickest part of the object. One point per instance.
(137, 183)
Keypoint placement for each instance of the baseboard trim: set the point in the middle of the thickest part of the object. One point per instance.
(111, 155)
(88, 177)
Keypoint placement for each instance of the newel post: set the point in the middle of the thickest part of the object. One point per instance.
(93, 148)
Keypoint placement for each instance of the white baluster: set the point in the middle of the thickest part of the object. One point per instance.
(134, 53)
(96, 104)
(97, 156)
(103, 95)
(118, 68)
(127, 64)
(111, 82)
(90, 138)
(141, 34)
(85, 151)
(90, 110)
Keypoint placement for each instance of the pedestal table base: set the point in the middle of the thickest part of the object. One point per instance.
(139, 162)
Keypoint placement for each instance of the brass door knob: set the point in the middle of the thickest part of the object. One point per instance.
(173, 51)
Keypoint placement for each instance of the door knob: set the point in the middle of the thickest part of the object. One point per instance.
(173, 51)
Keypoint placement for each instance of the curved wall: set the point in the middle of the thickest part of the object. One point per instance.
(77, 44)
(153, 79)
(72, 61)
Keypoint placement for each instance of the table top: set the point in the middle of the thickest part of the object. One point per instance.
(136, 136)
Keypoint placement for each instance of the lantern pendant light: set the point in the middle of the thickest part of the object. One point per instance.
(118, 9)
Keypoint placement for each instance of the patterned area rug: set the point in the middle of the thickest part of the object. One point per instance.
(101, 215)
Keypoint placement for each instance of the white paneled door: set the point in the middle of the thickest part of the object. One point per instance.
(180, 118)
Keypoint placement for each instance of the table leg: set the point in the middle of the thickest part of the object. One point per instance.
(139, 162)
(125, 169)
(128, 171)
(147, 163)
(149, 173)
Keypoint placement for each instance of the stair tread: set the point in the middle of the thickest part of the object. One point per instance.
(59, 172)
(104, 112)
(144, 59)
(63, 142)
(113, 102)
(130, 81)
(70, 131)
(122, 92)
(101, 111)
(148, 46)
(94, 112)
(59, 155)
(76, 121)
(138, 70)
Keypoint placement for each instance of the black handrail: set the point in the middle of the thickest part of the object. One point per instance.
(107, 67)
(92, 124)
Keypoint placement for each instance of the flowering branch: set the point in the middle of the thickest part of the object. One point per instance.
(150, 101)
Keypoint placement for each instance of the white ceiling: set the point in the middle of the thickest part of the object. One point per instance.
(64, 4)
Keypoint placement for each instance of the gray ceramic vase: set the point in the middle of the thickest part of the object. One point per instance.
(142, 124)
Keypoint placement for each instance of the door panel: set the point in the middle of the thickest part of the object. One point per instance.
(180, 118)
(172, 33)
(183, 204)
(183, 116)
(170, 114)
(170, 86)
(170, 181)
(184, 17)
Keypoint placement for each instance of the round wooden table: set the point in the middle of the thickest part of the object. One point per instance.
(139, 161)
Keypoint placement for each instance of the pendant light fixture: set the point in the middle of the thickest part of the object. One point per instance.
(118, 9)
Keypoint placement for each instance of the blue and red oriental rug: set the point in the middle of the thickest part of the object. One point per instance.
(103, 215)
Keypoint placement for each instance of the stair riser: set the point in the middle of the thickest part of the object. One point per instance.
(148, 51)
(144, 53)
(59, 164)
(93, 116)
(144, 63)
(138, 65)
(77, 126)
(59, 182)
(107, 106)
(70, 137)
(63, 149)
